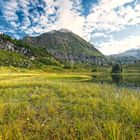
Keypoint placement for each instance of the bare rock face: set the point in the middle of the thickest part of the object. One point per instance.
(9, 46)
(12, 55)
(68, 47)
(6, 45)
(19, 54)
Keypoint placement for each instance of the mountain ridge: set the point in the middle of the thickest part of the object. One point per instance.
(129, 56)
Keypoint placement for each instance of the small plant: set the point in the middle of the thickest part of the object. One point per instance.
(67, 66)
(94, 70)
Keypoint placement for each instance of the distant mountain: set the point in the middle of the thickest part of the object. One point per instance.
(68, 48)
(129, 56)
(19, 54)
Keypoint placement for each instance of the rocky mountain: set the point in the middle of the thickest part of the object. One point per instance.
(68, 48)
(58, 47)
(129, 56)
(20, 54)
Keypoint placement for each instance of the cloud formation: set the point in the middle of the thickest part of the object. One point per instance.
(111, 47)
(99, 26)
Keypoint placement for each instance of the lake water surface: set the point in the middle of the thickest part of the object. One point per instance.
(125, 80)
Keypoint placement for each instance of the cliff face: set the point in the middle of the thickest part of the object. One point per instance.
(68, 47)
(9, 46)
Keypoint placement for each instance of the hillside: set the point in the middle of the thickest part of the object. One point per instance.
(127, 57)
(68, 47)
(133, 68)
(19, 54)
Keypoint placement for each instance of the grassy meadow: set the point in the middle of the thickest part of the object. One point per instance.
(36, 105)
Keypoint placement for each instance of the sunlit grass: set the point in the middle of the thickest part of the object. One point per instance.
(65, 106)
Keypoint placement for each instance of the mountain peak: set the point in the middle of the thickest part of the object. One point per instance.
(68, 47)
(64, 30)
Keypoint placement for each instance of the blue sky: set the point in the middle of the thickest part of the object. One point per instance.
(113, 26)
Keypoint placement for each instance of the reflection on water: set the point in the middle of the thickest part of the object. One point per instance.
(132, 81)
(117, 79)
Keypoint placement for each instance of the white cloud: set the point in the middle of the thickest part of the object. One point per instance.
(102, 16)
(106, 17)
(1, 32)
(97, 34)
(67, 17)
(70, 19)
(111, 4)
(115, 47)
(9, 11)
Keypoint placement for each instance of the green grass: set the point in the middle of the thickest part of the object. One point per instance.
(132, 68)
(34, 57)
(13, 59)
(38, 105)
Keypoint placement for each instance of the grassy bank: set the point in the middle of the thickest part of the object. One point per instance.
(59, 106)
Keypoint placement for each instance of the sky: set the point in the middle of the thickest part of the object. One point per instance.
(113, 26)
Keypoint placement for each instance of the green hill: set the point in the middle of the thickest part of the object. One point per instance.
(132, 68)
(19, 54)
